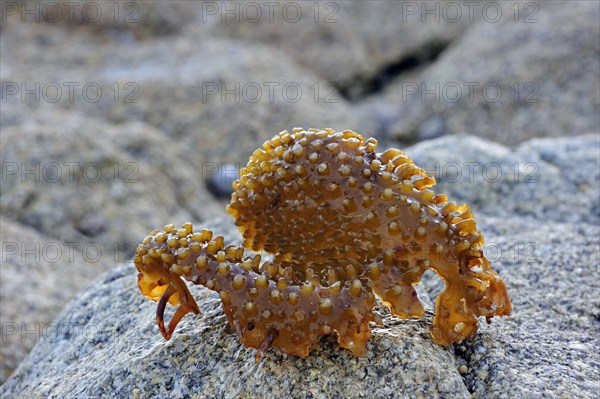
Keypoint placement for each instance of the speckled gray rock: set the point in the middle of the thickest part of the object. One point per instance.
(38, 276)
(142, 19)
(552, 61)
(206, 95)
(546, 349)
(542, 179)
(533, 79)
(548, 179)
(87, 181)
(109, 345)
(340, 42)
(543, 240)
(222, 109)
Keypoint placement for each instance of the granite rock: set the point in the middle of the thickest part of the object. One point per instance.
(340, 42)
(533, 74)
(39, 275)
(120, 20)
(207, 94)
(542, 238)
(352, 72)
(546, 178)
(536, 202)
(546, 349)
(93, 182)
(106, 343)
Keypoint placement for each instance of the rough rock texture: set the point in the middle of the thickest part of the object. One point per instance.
(557, 90)
(111, 320)
(144, 19)
(549, 179)
(153, 70)
(207, 94)
(191, 100)
(369, 63)
(344, 46)
(542, 237)
(39, 275)
(108, 186)
(546, 349)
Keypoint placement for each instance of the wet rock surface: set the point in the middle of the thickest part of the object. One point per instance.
(39, 275)
(108, 186)
(170, 98)
(511, 80)
(545, 349)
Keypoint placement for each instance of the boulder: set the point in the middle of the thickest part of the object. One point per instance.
(121, 20)
(77, 179)
(340, 42)
(533, 74)
(546, 349)
(108, 343)
(39, 275)
(206, 94)
(546, 178)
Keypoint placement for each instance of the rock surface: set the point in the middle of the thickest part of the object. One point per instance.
(546, 349)
(207, 94)
(155, 61)
(142, 20)
(110, 186)
(340, 42)
(114, 348)
(39, 275)
(548, 179)
(109, 344)
(351, 73)
(508, 80)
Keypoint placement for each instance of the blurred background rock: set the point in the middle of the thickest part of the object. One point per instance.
(119, 117)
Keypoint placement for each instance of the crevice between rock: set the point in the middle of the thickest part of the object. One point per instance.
(362, 87)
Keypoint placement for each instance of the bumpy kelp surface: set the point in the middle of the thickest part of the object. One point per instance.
(343, 223)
